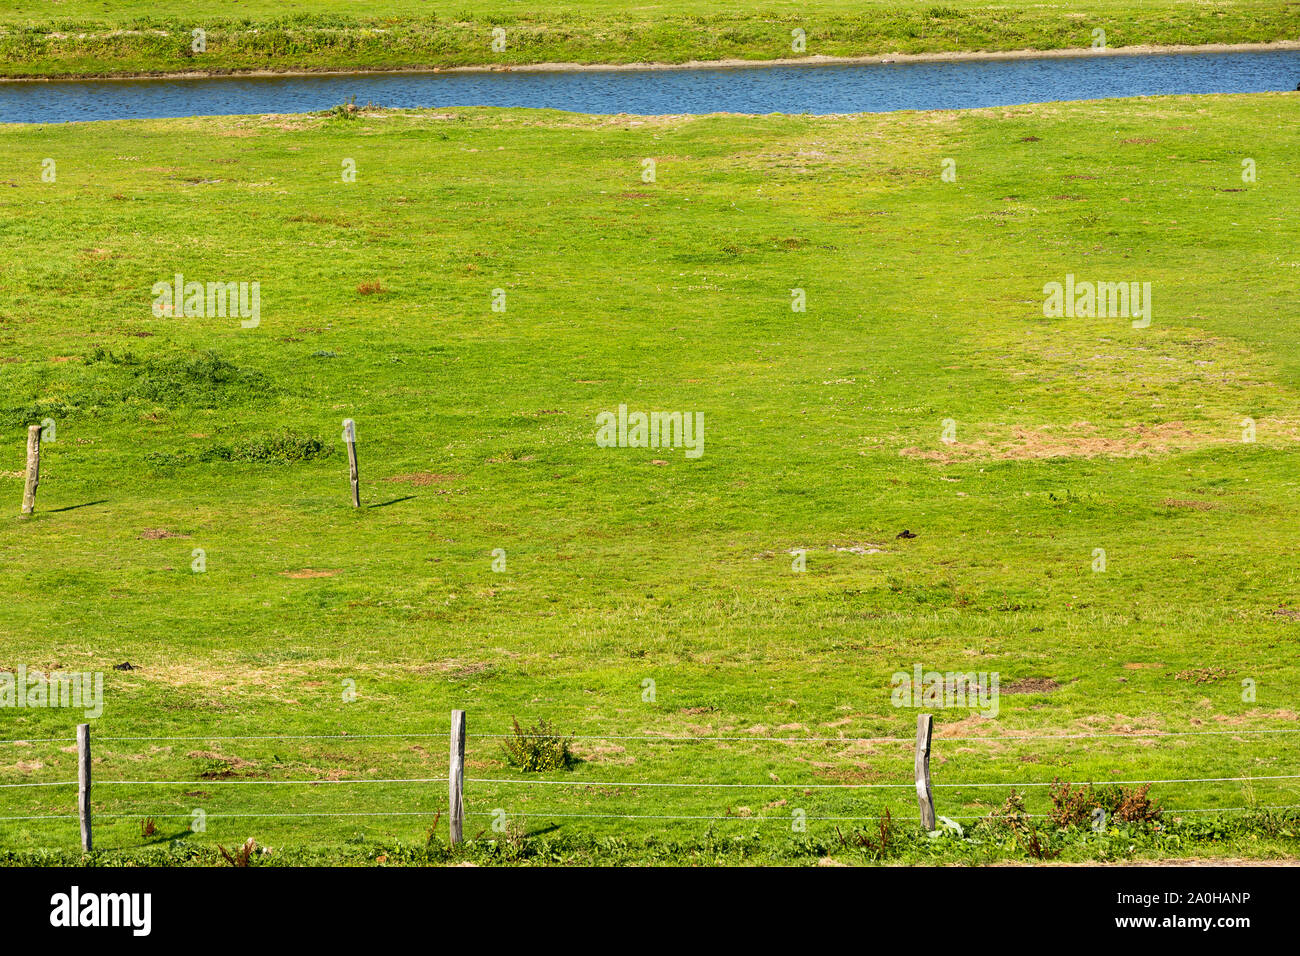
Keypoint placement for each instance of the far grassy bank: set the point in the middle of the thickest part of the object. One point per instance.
(82, 39)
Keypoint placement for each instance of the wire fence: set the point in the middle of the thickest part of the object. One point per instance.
(922, 786)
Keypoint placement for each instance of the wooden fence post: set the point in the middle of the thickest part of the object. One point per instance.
(456, 777)
(924, 795)
(83, 784)
(350, 436)
(33, 468)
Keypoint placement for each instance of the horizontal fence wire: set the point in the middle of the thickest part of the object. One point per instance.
(899, 740)
(212, 737)
(590, 816)
(647, 816)
(667, 738)
(412, 736)
(232, 816)
(698, 784)
(51, 783)
(261, 783)
(1103, 783)
(866, 786)
(770, 819)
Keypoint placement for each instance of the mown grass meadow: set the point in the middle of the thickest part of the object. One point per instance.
(823, 433)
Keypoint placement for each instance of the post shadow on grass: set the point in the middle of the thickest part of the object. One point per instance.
(158, 837)
(395, 501)
(538, 831)
(541, 831)
(86, 504)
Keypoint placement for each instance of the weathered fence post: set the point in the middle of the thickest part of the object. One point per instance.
(33, 468)
(83, 784)
(350, 436)
(924, 795)
(456, 777)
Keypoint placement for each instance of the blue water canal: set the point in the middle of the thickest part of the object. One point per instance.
(817, 89)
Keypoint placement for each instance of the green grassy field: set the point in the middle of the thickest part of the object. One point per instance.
(823, 432)
(80, 38)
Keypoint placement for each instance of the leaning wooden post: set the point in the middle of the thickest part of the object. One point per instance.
(350, 436)
(456, 776)
(83, 784)
(33, 468)
(924, 795)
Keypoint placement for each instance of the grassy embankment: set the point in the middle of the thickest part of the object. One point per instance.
(82, 38)
(823, 432)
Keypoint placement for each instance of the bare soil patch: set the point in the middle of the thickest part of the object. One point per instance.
(1030, 685)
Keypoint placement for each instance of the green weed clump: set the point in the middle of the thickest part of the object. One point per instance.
(346, 110)
(36, 412)
(1015, 820)
(110, 384)
(281, 449)
(1074, 805)
(202, 381)
(538, 748)
(285, 449)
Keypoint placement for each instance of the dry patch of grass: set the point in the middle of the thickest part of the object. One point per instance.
(422, 478)
(1191, 505)
(1254, 715)
(603, 753)
(1202, 675)
(1075, 440)
(974, 725)
(453, 669)
(222, 682)
(1168, 391)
